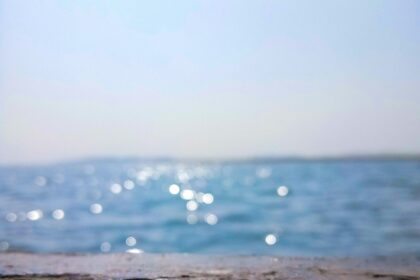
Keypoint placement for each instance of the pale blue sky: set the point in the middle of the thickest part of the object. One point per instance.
(208, 78)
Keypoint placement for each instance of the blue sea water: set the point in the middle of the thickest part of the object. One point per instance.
(292, 208)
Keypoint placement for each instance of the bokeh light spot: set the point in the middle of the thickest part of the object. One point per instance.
(187, 194)
(34, 215)
(211, 219)
(282, 191)
(192, 205)
(116, 188)
(130, 241)
(174, 189)
(105, 247)
(270, 239)
(96, 208)
(58, 214)
(208, 198)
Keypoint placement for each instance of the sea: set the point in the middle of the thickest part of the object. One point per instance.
(290, 207)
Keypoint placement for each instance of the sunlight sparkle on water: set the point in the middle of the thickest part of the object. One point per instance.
(11, 217)
(208, 198)
(134, 251)
(130, 241)
(214, 211)
(192, 205)
(192, 219)
(270, 239)
(129, 185)
(282, 191)
(58, 214)
(264, 172)
(144, 175)
(116, 188)
(105, 247)
(174, 189)
(183, 176)
(187, 194)
(96, 208)
(34, 215)
(211, 219)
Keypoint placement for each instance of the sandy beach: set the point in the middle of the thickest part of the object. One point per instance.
(189, 266)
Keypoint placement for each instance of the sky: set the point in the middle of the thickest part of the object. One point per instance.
(208, 79)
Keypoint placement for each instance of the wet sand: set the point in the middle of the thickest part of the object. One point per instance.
(190, 266)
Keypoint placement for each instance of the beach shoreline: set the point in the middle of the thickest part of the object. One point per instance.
(191, 266)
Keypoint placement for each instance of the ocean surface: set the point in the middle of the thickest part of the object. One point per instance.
(290, 208)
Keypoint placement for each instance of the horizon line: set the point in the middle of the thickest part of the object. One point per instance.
(237, 159)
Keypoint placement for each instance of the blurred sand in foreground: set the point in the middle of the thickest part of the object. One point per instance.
(190, 266)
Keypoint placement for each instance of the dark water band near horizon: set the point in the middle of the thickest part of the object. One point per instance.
(291, 208)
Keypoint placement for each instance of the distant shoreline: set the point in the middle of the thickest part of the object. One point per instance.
(242, 160)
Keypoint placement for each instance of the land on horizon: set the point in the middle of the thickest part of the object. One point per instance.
(245, 159)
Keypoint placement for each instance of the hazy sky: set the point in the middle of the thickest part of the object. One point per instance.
(208, 78)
